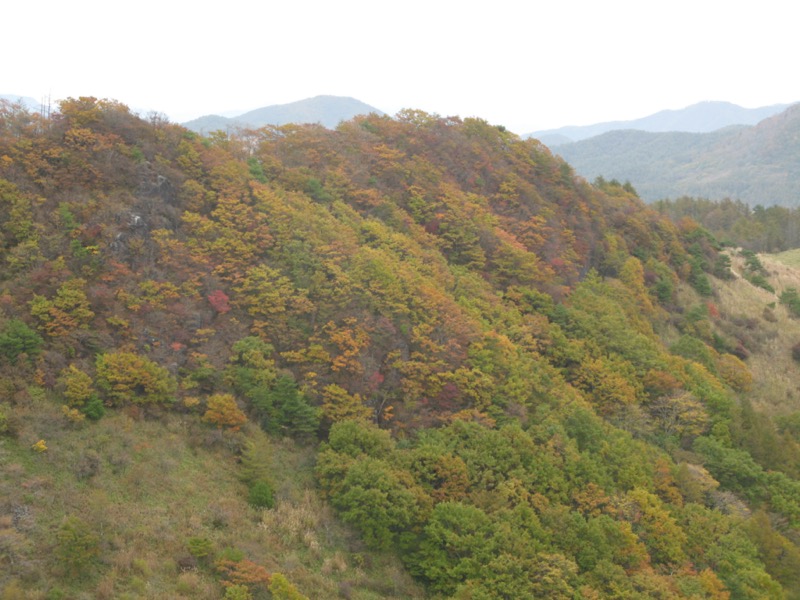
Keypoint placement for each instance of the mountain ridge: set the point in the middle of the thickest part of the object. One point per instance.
(326, 110)
(702, 117)
(756, 164)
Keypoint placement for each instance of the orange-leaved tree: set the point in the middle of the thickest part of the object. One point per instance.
(222, 411)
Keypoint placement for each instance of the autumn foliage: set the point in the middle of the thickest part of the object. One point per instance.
(129, 377)
(223, 412)
(512, 380)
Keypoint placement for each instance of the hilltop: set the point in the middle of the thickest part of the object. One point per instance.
(405, 357)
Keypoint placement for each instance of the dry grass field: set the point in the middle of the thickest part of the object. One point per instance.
(146, 487)
(770, 329)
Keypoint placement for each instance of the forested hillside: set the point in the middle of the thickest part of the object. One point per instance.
(408, 357)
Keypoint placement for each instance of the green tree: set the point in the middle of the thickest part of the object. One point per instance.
(251, 373)
(356, 439)
(16, 339)
(295, 414)
(375, 499)
(443, 475)
(284, 408)
(737, 564)
(455, 547)
(256, 461)
(509, 577)
(94, 408)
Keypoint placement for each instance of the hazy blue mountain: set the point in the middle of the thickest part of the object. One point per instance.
(325, 110)
(210, 123)
(759, 164)
(26, 101)
(698, 118)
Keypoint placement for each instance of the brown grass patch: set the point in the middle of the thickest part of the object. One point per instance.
(776, 386)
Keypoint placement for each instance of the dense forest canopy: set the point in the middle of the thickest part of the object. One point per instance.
(504, 381)
(757, 228)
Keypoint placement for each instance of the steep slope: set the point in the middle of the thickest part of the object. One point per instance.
(757, 165)
(770, 327)
(328, 111)
(408, 357)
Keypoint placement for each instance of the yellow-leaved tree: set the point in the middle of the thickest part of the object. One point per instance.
(128, 377)
(339, 405)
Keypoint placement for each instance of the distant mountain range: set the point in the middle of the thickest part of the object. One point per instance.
(758, 164)
(703, 117)
(328, 111)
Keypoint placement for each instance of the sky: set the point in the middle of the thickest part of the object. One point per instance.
(528, 65)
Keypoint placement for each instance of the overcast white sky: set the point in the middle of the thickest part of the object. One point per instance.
(528, 65)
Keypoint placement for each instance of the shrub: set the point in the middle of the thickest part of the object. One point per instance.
(283, 589)
(760, 281)
(77, 384)
(229, 555)
(73, 415)
(94, 408)
(5, 420)
(261, 495)
(791, 299)
(77, 546)
(238, 592)
(199, 547)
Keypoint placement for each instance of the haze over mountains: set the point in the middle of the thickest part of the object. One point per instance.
(702, 117)
(756, 164)
(26, 101)
(325, 110)
(708, 149)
